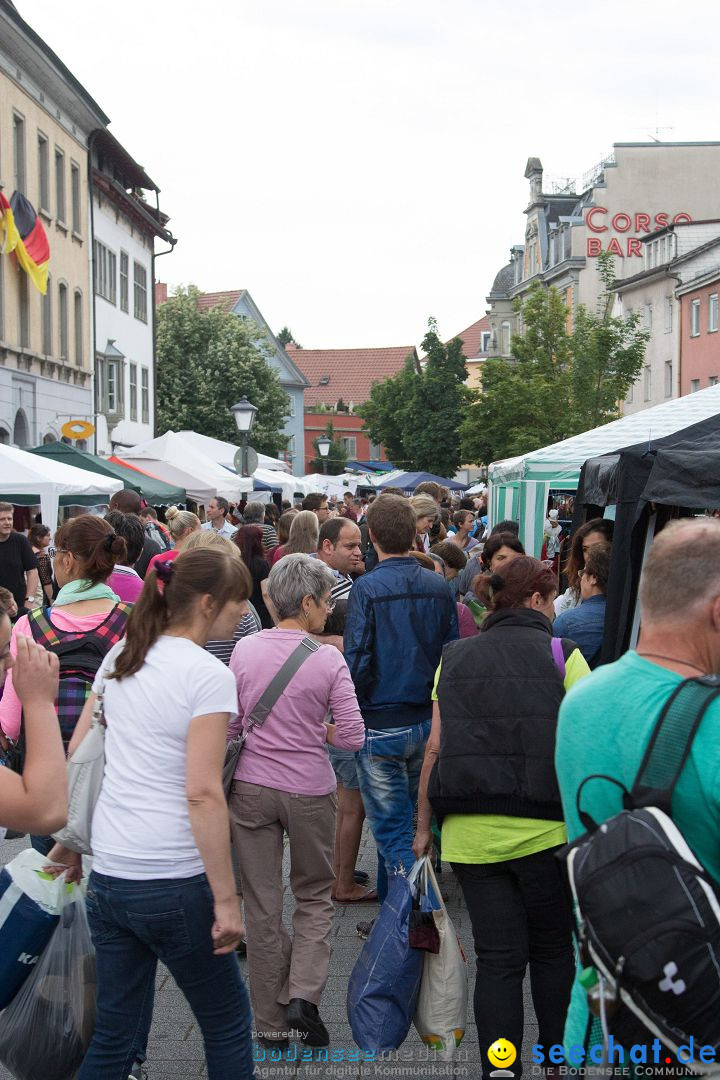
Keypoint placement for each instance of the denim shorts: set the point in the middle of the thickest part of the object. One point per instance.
(345, 766)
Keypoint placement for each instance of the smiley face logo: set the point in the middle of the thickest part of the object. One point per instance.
(502, 1053)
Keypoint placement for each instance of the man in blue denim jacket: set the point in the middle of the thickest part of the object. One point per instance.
(399, 617)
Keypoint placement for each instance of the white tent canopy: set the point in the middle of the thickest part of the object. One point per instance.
(520, 486)
(289, 485)
(28, 474)
(171, 458)
(332, 485)
(223, 453)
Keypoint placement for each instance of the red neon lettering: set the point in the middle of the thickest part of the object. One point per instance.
(634, 247)
(594, 246)
(589, 221)
(642, 223)
(681, 217)
(661, 221)
(614, 248)
(625, 218)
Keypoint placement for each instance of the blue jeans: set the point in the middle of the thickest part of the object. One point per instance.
(388, 768)
(136, 923)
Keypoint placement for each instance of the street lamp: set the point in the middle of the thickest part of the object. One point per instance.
(244, 414)
(323, 444)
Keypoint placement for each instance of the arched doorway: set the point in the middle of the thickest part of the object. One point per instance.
(21, 431)
(4, 437)
(49, 438)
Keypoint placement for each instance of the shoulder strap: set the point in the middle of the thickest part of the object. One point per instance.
(670, 742)
(556, 644)
(42, 630)
(280, 682)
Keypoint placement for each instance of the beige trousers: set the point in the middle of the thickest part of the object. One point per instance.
(281, 967)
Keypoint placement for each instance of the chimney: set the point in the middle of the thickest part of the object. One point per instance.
(160, 293)
(534, 173)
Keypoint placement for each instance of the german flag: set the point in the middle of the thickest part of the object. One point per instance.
(22, 232)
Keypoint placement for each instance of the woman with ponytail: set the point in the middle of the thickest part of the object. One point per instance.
(182, 524)
(489, 776)
(162, 886)
(85, 621)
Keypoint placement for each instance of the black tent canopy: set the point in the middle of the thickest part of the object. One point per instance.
(649, 484)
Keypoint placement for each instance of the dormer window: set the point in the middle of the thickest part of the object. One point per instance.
(324, 381)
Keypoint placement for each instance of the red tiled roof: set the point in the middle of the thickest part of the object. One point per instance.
(225, 300)
(472, 338)
(350, 372)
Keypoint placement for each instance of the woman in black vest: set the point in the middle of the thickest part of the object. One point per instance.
(489, 776)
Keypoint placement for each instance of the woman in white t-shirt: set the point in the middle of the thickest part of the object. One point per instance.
(162, 883)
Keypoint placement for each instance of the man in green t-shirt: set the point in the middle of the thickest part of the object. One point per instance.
(606, 720)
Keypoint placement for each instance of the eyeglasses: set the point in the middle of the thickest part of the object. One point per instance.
(330, 605)
(53, 552)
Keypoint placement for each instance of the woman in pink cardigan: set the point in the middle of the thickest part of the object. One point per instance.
(284, 783)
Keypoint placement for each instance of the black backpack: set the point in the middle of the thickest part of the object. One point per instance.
(647, 912)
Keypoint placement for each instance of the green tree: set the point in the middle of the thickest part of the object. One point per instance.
(437, 406)
(336, 459)
(285, 337)
(206, 361)
(559, 383)
(386, 413)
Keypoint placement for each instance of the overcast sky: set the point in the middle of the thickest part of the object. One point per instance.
(358, 164)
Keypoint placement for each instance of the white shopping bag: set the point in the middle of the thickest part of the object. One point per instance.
(441, 1012)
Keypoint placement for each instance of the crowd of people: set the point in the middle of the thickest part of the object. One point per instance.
(392, 660)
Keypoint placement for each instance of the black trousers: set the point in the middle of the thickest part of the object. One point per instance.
(520, 915)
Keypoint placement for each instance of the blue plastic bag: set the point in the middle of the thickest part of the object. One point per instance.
(30, 906)
(384, 984)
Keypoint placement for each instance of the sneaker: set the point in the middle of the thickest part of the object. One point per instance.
(304, 1020)
(364, 928)
(137, 1072)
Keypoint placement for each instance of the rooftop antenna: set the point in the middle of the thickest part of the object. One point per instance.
(657, 129)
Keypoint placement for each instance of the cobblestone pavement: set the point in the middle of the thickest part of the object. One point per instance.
(176, 1050)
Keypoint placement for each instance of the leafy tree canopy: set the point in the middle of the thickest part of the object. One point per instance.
(206, 361)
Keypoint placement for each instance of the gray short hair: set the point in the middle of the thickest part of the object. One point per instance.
(682, 569)
(295, 576)
(254, 512)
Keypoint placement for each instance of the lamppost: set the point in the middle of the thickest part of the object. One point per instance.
(323, 444)
(244, 414)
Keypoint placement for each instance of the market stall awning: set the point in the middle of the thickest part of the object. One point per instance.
(154, 491)
(224, 452)
(25, 476)
(409, 481)
(177, 462)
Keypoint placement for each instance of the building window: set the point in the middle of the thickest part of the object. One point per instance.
(63, 319)
(78, 328)
(505, 339)
(24, 310)
(105, 271)
(140, 291)
(375, 451)
(349, 445)
(133, 391)
(647, 383)
(60, 210)
(694, 386)
(695, 318)
(713, 380)
(19, 153)
(712, 312)
(289, 452)
(668, 314)
(75, 194)
(485, 341)
(43, 172)
(648, 316)
(111, 386)
(124, 280)
(47, 339)
(668, 378)
(145, 389)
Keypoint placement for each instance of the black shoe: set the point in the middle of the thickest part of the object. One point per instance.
(304, 1020)
(272, 1044)
(364, 928)
(361, 877)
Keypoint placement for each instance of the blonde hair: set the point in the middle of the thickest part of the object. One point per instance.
(180, 522)
(205, 538)
(304, 534)
(425, 506)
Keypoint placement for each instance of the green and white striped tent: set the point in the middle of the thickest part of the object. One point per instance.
(519, 486)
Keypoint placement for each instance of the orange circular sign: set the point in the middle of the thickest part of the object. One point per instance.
(77, 429)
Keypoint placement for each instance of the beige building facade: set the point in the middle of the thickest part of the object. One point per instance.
(636, 190)
(46, 357)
